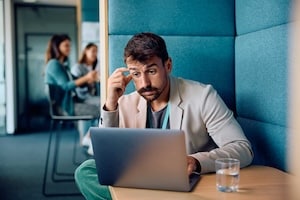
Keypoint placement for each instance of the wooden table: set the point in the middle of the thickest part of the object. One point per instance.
(256, 182)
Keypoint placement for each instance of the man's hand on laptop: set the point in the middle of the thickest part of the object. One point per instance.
(193, 165)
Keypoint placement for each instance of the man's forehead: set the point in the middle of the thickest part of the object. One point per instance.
(134, 62)
(134, 65)
(137, 64)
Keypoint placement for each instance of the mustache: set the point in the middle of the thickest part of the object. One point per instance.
(147, 89)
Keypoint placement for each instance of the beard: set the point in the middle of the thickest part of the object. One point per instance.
(149, 98)
(155, 92)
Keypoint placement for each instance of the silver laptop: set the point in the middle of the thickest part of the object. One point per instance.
(142, 158)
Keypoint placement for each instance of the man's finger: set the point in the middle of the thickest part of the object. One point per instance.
(122, 69)
(128, 78)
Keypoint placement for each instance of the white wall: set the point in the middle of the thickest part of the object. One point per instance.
(2, 83)
(10, 67)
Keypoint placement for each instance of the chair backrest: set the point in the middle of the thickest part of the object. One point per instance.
(55, 94)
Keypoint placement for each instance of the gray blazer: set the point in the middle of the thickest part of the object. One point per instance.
(210, 127)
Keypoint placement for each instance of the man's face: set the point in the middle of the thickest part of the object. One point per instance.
(151, 78)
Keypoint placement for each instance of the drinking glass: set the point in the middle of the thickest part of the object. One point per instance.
(227, 174)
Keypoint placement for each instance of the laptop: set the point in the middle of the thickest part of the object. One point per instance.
(142, 158)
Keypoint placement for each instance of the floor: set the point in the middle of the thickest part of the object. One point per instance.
(22, 166)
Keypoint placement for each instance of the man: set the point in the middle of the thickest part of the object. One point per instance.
(163, 101)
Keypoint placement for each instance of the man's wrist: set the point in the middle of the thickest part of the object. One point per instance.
(109, 108)
(198, 166)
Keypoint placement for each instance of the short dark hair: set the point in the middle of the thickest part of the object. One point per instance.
(144, 46)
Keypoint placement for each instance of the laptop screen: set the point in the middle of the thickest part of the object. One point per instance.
(141, 158)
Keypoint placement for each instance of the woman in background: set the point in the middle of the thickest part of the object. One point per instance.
(90, 92)
(87, 62)
(58, 73)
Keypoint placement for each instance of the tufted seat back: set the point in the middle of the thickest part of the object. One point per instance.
(240, 47)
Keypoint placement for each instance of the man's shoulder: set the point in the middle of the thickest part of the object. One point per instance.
(189, 83)
(191, 89)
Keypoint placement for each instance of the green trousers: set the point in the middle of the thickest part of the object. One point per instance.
(87, 181)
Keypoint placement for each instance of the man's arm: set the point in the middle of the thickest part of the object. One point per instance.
(117, 83)
(109, 118)
(225, 131)
(239, 150)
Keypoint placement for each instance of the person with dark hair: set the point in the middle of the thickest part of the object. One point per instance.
(57, 72)
(89, 92)
(87, 62)
(166, 102)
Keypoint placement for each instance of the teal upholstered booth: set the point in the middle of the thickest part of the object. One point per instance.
(199, 37)
(261, 70)
(239, 47)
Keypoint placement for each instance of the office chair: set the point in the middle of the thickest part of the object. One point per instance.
(54, 94)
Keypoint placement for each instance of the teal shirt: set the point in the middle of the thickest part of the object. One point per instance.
(57, 74)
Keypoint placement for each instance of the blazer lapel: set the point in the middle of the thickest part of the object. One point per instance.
(176, 112)
(141, 115)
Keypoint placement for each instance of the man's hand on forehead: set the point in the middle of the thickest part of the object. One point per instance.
(125, 72)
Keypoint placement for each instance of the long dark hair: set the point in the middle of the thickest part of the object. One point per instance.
(53, 46)
(82, 58)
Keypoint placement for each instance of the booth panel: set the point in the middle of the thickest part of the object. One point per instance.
(268, 142)
(261, 75)
(255, 15)
(172, 17)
